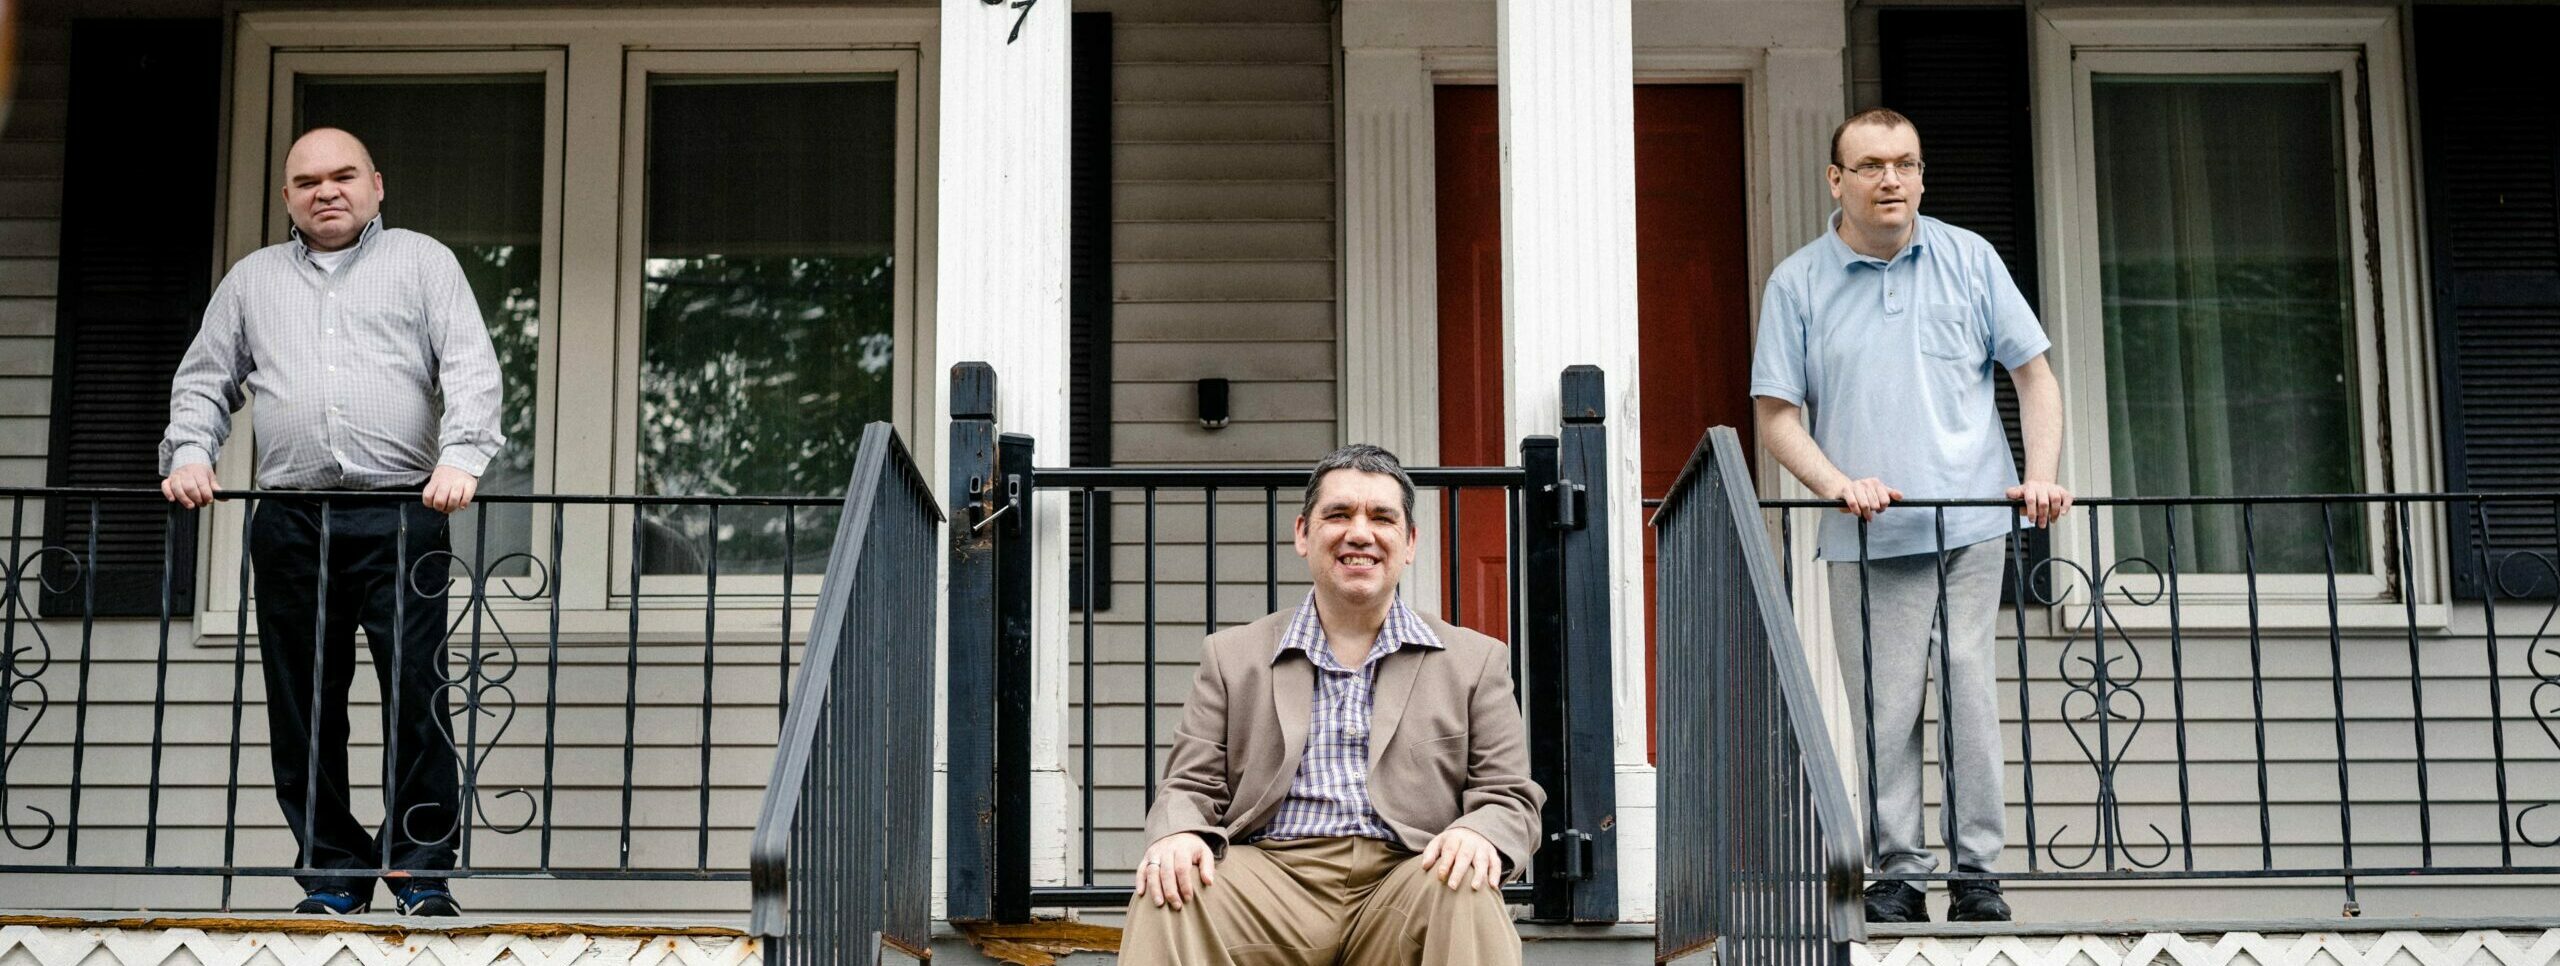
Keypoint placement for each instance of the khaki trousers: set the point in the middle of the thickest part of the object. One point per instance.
(1316, 902)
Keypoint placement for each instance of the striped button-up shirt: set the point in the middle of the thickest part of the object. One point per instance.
(366, 377)
(1329, 797)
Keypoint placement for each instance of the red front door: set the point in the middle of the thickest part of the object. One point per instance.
(1693, 306)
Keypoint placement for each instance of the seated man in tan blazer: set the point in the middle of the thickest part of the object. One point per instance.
(1350, 783)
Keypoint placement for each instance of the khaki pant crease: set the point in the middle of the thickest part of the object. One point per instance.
(1318, 902)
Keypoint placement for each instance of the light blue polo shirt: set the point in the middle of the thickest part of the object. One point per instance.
(1891, 362)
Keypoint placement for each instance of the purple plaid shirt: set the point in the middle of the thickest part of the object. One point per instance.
(1329, 797)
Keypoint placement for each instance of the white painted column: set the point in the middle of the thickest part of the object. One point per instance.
(1001, 298)
(1390, 383)
(1567, 78)
(1804, 104)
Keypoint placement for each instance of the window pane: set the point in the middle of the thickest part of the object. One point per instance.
(768, 296)
(461, 161)
(2231, 362)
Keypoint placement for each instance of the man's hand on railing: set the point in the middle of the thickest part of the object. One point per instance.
(2044, 502)
(1866, 497)
(189, 486)
(450, 489)
(1176, 868)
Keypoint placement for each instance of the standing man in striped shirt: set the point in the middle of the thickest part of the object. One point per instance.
(1350, 781)
(372, 371)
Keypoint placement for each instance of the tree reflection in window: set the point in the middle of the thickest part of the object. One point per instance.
(758, 376)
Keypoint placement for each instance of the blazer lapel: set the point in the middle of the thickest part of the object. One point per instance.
(1293, 698)
(1387, 696)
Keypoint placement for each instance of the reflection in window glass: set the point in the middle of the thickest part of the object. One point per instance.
(768, 336)
(461, 161)
(2231, 361)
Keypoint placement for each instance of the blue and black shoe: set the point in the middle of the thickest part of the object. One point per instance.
(428, 899)
(330, 902)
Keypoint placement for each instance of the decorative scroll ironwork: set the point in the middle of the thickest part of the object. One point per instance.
(2102, 707)
(22, 676)
(2541, 659)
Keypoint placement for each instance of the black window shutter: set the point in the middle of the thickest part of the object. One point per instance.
(1089, 295)
(1961, 77)
(2491, 138)
(138, 204)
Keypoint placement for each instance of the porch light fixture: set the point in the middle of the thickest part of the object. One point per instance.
(1213, 404)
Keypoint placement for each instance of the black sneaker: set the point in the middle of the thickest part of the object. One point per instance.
(428, 900)
(1896, 902)
(1976, 900)
(330, 902)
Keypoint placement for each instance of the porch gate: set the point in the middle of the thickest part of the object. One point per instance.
(1559, 622)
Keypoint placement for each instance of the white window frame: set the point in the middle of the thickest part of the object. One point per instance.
(2362, 48)
(592, 213)
(640, 67)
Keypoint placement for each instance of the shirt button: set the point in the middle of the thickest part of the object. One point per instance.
(333, 368)
(330, 331)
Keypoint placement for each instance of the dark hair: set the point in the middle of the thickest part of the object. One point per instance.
(1366, 458)
(1879, 116)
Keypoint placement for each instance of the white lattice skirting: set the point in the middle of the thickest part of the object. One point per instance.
(2484, 947)
(60, 946)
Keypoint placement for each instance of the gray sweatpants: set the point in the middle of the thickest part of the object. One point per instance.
(1901, 609)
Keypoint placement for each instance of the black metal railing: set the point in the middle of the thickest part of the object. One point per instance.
(2254, 688)
(615, 669)
(1517, 563)
(1758, 848)
(842, 854)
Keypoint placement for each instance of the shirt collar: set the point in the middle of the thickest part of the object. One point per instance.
(1305, 633)
(302, 250)
(1849, 256)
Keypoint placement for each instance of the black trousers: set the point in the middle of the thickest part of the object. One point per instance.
(306, 642)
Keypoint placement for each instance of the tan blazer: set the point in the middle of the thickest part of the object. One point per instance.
(1446, 744)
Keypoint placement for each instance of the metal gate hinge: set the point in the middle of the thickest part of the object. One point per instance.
(1569, 497)
(1574, 848)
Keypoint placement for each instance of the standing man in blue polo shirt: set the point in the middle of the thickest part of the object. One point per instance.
(1872, 383)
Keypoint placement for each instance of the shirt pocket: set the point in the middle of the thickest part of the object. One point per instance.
(1948, 331)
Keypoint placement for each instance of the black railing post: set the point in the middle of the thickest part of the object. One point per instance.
(1550, 753)
(1013, 541)
(1585, 661)
(971, 857)
(1572, 731)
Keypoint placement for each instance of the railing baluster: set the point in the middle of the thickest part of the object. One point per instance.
(631, 687)
(1209, 579)
(80, 704)
(1147, 667)
(475, 674)
(159, 664)
(551, 684)
(790, 576)
(2417, 691)
(1270, 549)
(1088, 736)
(239, 701)
(2257, 684)
(2338, 703)
(403, 580)
(2178, 690)
(2102, 685)
(2026, 714)
(1867, 677)
(2489, 585)
(1456, 567)
(1948, 811)
(710, 665)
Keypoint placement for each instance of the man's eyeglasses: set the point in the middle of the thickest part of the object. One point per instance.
(1873, 171)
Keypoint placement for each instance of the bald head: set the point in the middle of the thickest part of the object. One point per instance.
(331, 189)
